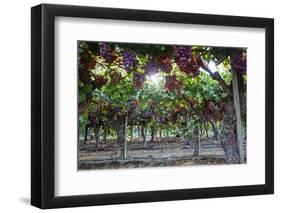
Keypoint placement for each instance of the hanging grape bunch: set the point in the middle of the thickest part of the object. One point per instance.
(93, 119)
(91, 64)
(148, 115)
(138, 80)
(99, 81)
(213, 111)
(187, 62)
(129, 60)
(239, 61)
(220, 106)
(195, 64)
(174, 117)
(179, 108)
(85, 58)
(165, 64)
(151, 68)
(172, 84)
(133, 106)
(115, 76)
(162, 120)
(192, 102)
(106, 52)
(211, 106)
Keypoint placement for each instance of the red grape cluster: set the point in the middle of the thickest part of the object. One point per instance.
(85, 56)
(211, 106)
(138, 80)
(220, 105)
(91, 64)
(106, 52)
(151, 68)
(213, 111)
(172, 84)
(86, 62)
(187, 62)
(129, 60)
(239, 61)
(193, 102)
(165, 64)
(99, 81)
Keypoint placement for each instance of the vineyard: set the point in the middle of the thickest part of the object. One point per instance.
(147, 105)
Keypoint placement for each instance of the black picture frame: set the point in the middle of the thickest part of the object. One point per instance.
(43, 117)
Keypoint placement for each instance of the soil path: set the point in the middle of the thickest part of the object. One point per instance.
(165, 153)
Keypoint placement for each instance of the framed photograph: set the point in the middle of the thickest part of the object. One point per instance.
(136, 106)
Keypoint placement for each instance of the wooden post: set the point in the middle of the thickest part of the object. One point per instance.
(199, 139)
(198, 142)
(186, 126)
(86, 134)
(236, 101)
(132, 132)
(125, 140)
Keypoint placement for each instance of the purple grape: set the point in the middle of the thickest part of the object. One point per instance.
(186, 61)
(238, 62)
(129, 60)
(94, 118)
(133, 106)
(148, 115)
(165, 64)
(162, 120)
(106, 52)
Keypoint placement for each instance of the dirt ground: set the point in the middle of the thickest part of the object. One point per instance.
(169, 152)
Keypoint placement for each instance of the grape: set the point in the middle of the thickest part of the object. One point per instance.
(238, 61)
(106, 52)
(86, 63)
(87, 60)
(179, 108)
(138, 80)
(117, 109)
(162, 120)
(133, 106)
(182, 55)
(187, 62)
(85, 57)
(148, 115)
(174, 117)
(91, 64)
(220, 106)
(99, 81)
(165, 64)
(151, 68)
(115, 76)
(93, 118)
(129, 60)
(172, 84)
(211, 106)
